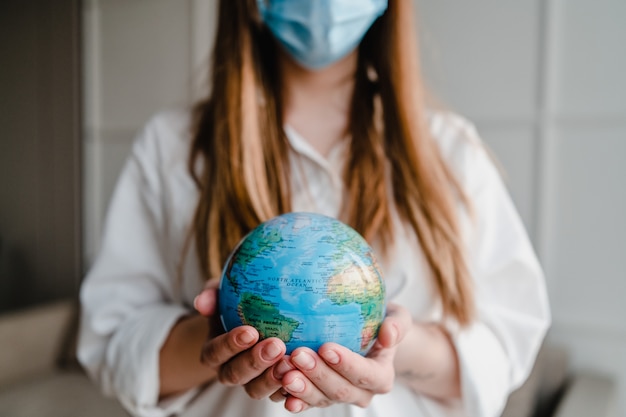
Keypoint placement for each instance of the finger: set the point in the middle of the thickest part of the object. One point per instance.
(323, 385)
(250, 364)
(395, 326)
(372, 374)
(295, 405)
(206, 302)
(297, 385)
(219, 350)
(270, 381)
(262, 386)
(279, 395)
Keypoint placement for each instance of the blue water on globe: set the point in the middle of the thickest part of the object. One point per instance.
(306, 279)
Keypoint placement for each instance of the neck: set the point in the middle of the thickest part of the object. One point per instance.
(317, 103)
(333, 84)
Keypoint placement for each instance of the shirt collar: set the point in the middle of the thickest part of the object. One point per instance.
(332, 164)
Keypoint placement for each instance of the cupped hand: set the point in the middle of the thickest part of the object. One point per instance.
(238, 356)
(337, 375)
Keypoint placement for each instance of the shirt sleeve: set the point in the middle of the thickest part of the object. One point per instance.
(129, 300)
(497, 351)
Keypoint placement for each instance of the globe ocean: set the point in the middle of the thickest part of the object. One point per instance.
(307, 279)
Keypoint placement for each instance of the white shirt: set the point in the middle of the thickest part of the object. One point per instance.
(133, 294)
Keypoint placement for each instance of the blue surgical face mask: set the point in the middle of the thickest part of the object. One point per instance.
(317, 33)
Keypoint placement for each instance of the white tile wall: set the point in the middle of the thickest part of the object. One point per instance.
(481, 56)
(92, 217)
(513, 147)
(590, 222)
(138, 59)
(590, 59)
(145, 59)
(105, 153)
(115, 148)
(587, 245)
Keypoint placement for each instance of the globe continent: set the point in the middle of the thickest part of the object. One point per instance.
(307, 279)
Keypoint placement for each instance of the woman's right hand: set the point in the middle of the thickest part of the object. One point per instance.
(237, 356)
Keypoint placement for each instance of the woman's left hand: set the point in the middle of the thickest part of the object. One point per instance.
(337, 375)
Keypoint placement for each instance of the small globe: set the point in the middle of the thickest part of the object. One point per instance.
(307, 279)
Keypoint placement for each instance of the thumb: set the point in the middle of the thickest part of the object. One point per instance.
(206, 302)
(395, 326)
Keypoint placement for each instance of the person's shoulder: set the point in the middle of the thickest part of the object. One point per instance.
(166, 134)
(455, 135)
(170, 126)
(460, 145)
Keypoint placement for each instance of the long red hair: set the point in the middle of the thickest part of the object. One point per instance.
(240, 153)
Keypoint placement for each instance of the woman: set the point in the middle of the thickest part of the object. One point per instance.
(315, 106)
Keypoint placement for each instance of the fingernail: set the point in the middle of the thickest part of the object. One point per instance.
(297, 408)
(394, 334)
(304, 361)
(281, 369)
(331, 357)
(297, 385)
(203, 303)
(270, 351)
(245, 338)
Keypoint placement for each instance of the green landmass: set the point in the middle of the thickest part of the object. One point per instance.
(256, 244)
(265, 317)
(259, 241)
